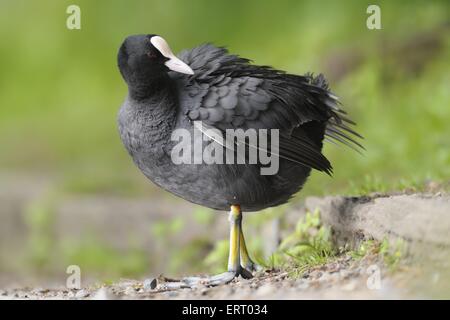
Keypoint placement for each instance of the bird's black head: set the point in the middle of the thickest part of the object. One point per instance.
(145, 57)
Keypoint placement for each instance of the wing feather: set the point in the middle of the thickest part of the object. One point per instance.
(228, 92)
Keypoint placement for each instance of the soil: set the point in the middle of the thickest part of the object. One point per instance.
(344, 277)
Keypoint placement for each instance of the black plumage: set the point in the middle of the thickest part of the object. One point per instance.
(225, 92)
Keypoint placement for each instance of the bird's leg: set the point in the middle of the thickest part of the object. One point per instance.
(237, 255)
(246, 262)
(234, 257)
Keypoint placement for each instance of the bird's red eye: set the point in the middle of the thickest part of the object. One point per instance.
(151, 55)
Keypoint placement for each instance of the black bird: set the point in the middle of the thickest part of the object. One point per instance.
(223, 91)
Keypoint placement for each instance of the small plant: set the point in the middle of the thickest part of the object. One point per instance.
(309, 245)
(364, 248)
(391, 254)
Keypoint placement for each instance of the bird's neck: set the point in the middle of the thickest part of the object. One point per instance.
(142, 88)
(155, 105)
(156, 98)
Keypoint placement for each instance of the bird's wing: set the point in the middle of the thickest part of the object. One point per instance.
(226, 92)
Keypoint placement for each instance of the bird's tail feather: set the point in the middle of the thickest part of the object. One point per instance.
(338, 128)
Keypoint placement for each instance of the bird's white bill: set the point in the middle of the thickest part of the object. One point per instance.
(177, 65)
(173, 63)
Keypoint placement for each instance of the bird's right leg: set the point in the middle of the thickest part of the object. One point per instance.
(246, 262)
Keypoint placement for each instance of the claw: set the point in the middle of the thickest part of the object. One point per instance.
(246, 274)
(222, 278)
(252, 267)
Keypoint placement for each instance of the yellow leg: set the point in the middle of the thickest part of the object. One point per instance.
(235, 236)
(246, 262)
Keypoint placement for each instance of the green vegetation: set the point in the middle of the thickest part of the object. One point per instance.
(308, 246)
(392, 254)
(102, 260)
(45, 254)
(218, 257)
(60, 89)
(39, 217)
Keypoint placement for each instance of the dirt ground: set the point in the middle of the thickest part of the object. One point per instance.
(344, 278)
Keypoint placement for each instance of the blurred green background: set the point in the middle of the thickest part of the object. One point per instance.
(60, 91)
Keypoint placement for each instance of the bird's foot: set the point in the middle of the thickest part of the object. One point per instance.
(252, 267)
(211, 281)
(219, 279)
(208, 281)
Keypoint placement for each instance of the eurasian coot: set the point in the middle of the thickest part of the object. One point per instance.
(168, 97)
